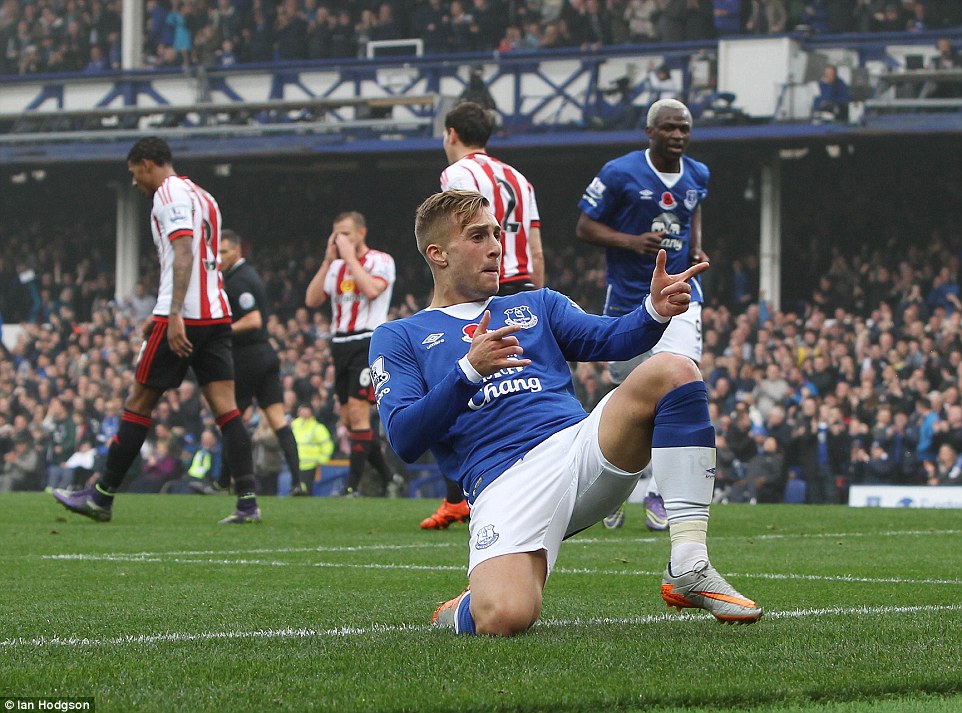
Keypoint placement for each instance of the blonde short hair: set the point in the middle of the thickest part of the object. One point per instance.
(440, 212)
(655, 109)
(359, 221)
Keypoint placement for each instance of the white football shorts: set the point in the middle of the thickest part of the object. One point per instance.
(562, 486)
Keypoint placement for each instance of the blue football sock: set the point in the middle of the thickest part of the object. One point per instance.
(683, 452)
(682, 419)
(464, 622)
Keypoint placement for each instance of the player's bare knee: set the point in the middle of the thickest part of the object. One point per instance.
(142, 400)
(357, 413)
(506, 617)
(663, 372)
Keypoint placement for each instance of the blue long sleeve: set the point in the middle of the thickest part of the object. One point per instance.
(477, 430)
(421, 416)
(590, 337)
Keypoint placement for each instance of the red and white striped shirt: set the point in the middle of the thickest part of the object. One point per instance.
(353, 314)
(512, 201)
(183, 210)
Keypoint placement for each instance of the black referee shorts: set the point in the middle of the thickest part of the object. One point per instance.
(257, 376)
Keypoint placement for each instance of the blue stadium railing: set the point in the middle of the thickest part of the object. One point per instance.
(362, 105)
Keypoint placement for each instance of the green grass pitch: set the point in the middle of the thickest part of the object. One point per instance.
(326, 605)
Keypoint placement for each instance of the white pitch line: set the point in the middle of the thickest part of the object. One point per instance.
(266, 563)
(769, 536)
(271, 551)
(773, 575)
(787, 614)
(842, 535)
(152, 556)
(342, 632)
(139, 558)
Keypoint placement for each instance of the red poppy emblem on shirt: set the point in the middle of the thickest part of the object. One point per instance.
(667, 201)
(468, 332)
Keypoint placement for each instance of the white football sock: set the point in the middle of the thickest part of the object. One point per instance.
(686, 478)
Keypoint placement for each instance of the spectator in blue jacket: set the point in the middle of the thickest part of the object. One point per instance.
(833, 96)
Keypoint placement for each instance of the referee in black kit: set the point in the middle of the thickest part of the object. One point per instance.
(256, 367)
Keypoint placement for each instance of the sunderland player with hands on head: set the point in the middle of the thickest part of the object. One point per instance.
(484, 383)
(637, 205)
(191, 328)
(467, 128)
(358, 280)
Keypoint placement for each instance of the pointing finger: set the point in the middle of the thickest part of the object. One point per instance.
(483, 324)
(661, 258)
(694, 270)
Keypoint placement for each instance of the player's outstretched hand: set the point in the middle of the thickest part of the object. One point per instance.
(671, 294)
(494, 350)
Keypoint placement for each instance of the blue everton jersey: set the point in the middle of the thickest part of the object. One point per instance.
(478, 430)
(630, 196)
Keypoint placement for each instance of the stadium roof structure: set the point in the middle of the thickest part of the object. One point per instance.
(543, 99)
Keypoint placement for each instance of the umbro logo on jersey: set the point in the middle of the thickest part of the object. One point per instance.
(645, 194)
(432, 340)
(709, 472)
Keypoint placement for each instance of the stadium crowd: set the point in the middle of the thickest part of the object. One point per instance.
(48, 36)
(859, 382)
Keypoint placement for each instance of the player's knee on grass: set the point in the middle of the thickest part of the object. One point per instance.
(505, 616)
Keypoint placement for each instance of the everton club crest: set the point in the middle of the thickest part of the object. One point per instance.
(520, 316)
